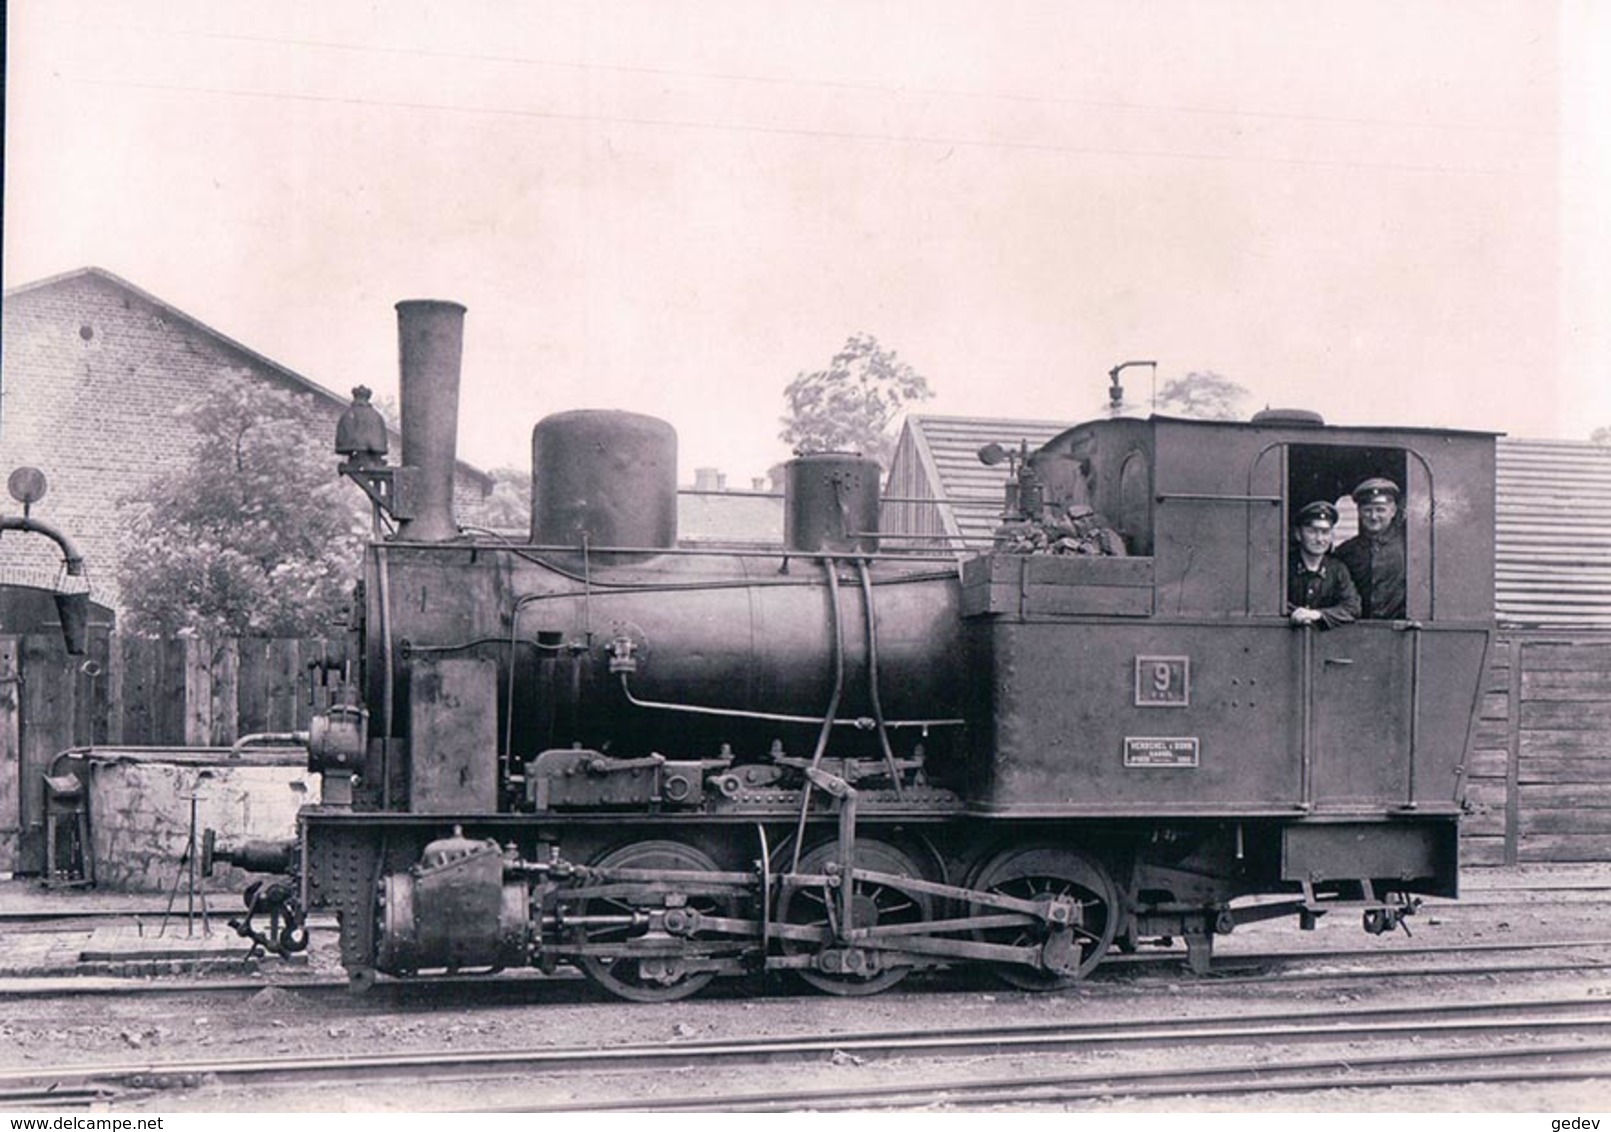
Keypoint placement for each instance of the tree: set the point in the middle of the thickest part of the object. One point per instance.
(1601, 435)
(849, 406)
(253, 534)
(508, 508)
(1201, 395)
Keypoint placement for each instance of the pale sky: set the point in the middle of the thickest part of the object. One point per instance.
(1390, 212)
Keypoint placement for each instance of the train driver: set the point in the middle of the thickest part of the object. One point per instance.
(1375, 556)
(1319, 589)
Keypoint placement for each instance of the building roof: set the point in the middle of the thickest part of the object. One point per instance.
(971, 492)
(258, 361)
(1553, 510)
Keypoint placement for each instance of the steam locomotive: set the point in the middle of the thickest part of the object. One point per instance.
(660, 764)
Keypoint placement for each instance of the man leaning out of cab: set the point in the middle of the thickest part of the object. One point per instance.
(1320, 591)
(1375, 556)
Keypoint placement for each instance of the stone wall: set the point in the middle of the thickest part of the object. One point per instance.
(140, 816)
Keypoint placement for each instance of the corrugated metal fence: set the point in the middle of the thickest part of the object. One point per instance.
(1552, 545)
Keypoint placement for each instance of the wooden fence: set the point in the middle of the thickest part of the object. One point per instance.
(1540, 771)
(138, 692)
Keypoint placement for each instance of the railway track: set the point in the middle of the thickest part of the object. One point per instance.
(1557, 1038)
(1553, 1065)
(1371, 963)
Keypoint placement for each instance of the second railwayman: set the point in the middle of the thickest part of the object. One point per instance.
(1319, 590)
(1375, 556)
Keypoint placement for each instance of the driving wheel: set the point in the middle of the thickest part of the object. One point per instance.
(872, 904)
(646, 961)
(1050, 872)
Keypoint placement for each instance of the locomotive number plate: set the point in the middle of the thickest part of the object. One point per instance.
(1163, 681)
(1160, 752)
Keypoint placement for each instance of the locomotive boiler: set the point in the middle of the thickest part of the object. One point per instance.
(591, 746)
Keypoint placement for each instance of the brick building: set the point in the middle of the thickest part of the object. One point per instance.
(93, 369)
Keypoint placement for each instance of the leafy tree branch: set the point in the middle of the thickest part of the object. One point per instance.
(253, 534)
(850, 406)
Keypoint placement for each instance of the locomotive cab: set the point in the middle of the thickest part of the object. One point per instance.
(1169, 681)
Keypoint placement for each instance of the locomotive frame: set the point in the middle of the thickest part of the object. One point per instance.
(662, 765)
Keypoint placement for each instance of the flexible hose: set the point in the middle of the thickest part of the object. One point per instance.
(872, 674)
(834, 604)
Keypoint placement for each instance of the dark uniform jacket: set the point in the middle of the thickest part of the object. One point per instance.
(1377, 567)
(1329, 590)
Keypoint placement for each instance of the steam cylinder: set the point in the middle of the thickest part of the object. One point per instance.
(430, 341)
(832, 503)
(606, 477)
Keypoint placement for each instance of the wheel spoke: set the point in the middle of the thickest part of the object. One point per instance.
(872, 905)
(897, 909)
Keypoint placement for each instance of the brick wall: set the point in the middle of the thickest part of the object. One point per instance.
(93, 369)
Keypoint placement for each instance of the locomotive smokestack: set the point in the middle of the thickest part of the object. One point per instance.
(430, 344)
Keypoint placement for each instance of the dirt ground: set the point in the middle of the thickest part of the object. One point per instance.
(1504, 906)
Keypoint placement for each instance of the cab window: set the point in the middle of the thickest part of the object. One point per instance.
(1376, 536)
